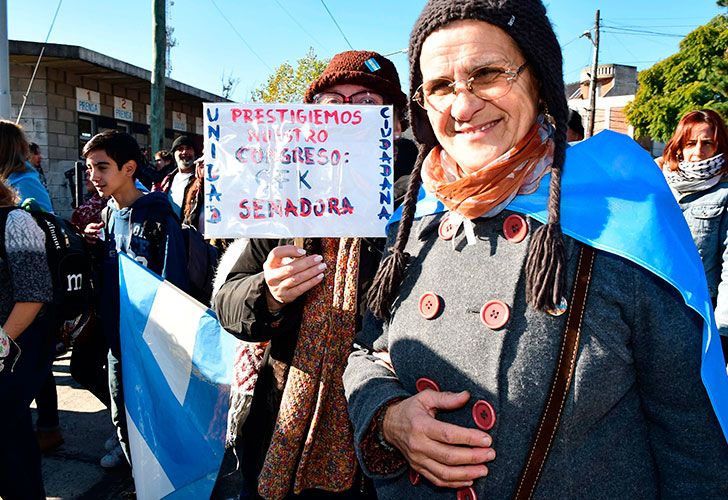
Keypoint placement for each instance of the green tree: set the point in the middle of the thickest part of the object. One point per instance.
(722, 3)
(288, 83)
(695, 77)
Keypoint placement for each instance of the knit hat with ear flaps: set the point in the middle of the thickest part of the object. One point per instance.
(523, 20)
(526, 23)
(366, 68)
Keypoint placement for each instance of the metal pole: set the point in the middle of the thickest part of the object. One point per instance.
(593, 82)
(159, 36)
(4, 62)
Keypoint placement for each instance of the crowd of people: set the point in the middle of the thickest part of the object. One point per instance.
(479, 351)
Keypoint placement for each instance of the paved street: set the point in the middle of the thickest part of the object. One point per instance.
(73, 470)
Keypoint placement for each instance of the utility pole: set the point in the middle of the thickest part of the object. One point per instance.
(593, 81)
(4, 62)
(159, 50)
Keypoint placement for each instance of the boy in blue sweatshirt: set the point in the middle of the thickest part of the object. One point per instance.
(144, 227)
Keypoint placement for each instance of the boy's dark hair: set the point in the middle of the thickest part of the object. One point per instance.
(34, 148)
(120, 146)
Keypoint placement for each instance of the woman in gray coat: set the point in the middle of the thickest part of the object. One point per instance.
(447, 391)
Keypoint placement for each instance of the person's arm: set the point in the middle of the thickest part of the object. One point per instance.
(21, 316)
(721, 308)
(30, 277)
(689, 449)
(394, 429)
(244, 305)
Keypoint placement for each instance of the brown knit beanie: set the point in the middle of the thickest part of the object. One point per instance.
(525, 21)
(366, 68)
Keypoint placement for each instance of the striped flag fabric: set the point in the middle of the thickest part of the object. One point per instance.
(372, 64)
(177, 368)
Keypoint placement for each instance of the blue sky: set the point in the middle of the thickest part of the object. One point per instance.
(216, 36)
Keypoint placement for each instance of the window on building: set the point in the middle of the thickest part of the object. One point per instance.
(86, 130)
(123, 127)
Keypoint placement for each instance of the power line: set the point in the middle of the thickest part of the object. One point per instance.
(570, 42)
(37, 63)
(624, 46)
(299, 24)
(631, 31)
(241, 36)
(400, 51)
(337, 24)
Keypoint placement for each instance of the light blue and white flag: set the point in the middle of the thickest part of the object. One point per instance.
(177, 367)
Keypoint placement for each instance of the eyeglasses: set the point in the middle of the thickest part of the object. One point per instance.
(363, 97)
(487, 82)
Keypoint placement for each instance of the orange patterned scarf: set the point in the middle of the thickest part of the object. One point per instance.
(313, 442)
(490, 189)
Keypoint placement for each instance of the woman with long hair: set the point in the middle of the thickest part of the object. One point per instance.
(26, 350)
(694, 165)
(16, 170)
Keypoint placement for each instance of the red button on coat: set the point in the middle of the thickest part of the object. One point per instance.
(430, 305)
(495, 314)
(515, 228)
(414, 477)
(425, 383)
(483, 415)
(447, 229)
(466, 494)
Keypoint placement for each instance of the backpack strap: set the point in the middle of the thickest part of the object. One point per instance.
(561, 383)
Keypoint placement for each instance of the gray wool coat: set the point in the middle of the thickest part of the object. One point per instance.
(637, 423)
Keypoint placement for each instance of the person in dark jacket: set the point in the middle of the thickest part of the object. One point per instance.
(140, 225)
(280, 293)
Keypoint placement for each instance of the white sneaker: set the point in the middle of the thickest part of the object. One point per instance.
(114, 458)
(111, 443)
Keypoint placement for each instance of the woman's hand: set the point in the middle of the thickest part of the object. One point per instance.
(288, 274)
(92, 232)
(447, 455)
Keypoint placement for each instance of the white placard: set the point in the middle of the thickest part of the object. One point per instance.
(198, 125)
(296, 170)
(88, 101)
(123, 109)
(179, 121)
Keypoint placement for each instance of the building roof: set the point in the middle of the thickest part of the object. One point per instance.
(85, 62)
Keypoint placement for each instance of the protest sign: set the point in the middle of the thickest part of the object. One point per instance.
(281, 170)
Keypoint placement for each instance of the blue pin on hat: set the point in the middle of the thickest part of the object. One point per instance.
(372, 64)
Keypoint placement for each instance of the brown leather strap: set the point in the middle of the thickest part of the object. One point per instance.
(562, 380)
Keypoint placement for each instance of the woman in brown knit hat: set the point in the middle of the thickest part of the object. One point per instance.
(297, 439)
(478, 306)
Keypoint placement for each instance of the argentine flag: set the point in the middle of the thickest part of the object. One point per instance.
(177, 367)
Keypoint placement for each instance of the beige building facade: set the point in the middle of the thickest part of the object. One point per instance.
(77, 93)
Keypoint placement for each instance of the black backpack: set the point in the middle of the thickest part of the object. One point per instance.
(70, 265)
(201, 263)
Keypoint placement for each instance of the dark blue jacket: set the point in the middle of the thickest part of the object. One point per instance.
(149, 233)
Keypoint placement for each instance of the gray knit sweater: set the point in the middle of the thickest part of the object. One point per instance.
(637, 423)
(24, 276)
